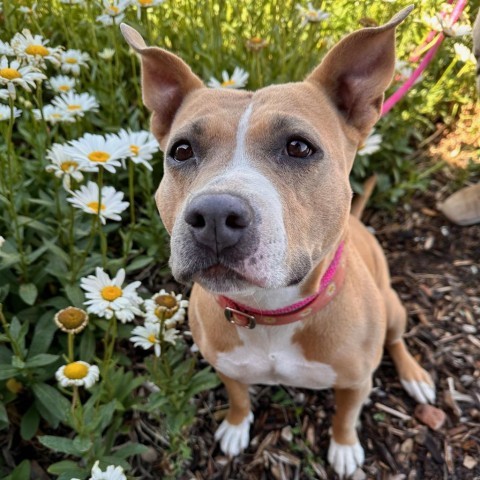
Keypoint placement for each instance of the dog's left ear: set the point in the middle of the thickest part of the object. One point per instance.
(166, 80)
(357, 71)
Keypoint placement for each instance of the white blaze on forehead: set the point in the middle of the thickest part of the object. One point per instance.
(240, 155)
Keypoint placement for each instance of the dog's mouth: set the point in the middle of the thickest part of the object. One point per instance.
(220, 278)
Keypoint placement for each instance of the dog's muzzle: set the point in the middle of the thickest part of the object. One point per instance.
(218, 221)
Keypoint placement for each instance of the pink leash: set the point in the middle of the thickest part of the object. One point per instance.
(403, 89)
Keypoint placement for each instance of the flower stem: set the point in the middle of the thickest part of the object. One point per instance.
(71, 337)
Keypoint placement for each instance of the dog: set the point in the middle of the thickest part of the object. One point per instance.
(289, 288)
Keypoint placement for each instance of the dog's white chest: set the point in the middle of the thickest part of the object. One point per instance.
(268, 356)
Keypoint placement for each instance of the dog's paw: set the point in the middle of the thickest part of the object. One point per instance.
(234, 438)
(423, 391)
(345, 459)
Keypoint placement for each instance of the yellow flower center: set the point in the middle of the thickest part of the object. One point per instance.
(256, 40)
(14, 386)
(68, 164)
(37, 50)
(56, 115)
(64, 88)
(75, 371)
(72, 317)
(312, 14)
(71, 60)
(73, 107)
(227, 83)
(134, 149)
(145, 3)
(10, 73)
(98, 156)
(151, 338)
(111, 293)
(94, 206)
(114, 9)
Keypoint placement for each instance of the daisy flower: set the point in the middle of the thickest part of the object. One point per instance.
(147, 337)
(4, 95)
(142, 146)
(77, 374)
(463, 53)
(72, 60)
(34, 49)
(111, 202)
(310, 14)
(238, 79)
(12, 75)
(403, 71)
(76, 103)
(106, 296)
(113, 12)
(167, 307)
(63, 166)
(72, 2)
(61, 83)
(147, 3)
(5, 113)
(440, 24)
(106, 53)
(111, 473)
(94, 150)
(53, 114)
(28, 10)
(2, 241)
(71, 319)
(371, 144)
(6, 49)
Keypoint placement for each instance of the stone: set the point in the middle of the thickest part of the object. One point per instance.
(431, 416)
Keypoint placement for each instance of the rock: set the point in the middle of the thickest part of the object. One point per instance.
(469, 462)
(431, 416)
(149, 456)
(287, 434)
(407, 446)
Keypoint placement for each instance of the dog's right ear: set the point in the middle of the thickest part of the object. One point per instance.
(166, 80)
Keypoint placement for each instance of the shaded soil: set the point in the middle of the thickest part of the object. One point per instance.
(435, 268)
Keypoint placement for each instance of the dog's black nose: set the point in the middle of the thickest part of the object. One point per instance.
(218, 221)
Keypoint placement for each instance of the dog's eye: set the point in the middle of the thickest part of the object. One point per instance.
(299, 148)
(182, 151)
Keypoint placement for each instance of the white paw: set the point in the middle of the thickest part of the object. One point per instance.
(422, 392)
(234, 438)
(345, 459)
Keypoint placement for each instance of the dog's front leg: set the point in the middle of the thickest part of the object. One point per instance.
(345, 453)
(234, 431)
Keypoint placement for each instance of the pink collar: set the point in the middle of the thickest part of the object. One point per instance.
(330, 285)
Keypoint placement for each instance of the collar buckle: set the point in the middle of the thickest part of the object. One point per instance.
(231, 315)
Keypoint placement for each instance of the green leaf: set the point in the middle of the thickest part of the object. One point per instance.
(52, 401)
(71, 469)
(28, 293)
(4, 338)
(138, 263)
(75, 295)
(29, 423)
(7, 371)
(130, 449)
(205, 379)
(42, 335)
(60, 445)
(3, 414)
(41, 360)
(21, 472)
(4, 289)
(82, 444)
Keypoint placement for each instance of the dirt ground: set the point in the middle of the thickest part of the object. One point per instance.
(435, 268)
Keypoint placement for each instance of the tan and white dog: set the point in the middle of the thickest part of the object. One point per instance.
(256, 197)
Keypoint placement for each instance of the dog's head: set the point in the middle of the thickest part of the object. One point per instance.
(256, 186)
